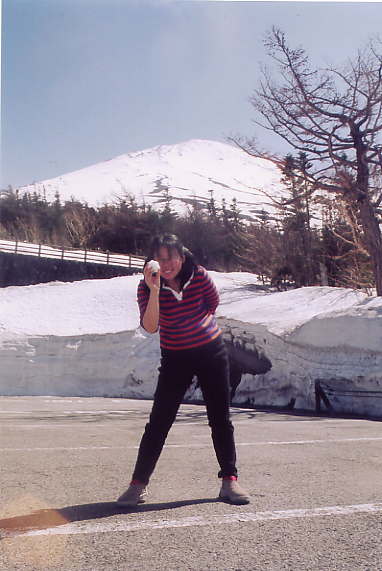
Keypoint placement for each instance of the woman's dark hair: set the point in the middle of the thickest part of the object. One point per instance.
(172, 242)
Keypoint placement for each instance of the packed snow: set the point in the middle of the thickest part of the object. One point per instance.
(84, 339)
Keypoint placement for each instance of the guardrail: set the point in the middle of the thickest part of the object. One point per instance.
(90, 256)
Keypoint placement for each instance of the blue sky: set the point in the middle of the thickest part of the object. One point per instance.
(86, 80)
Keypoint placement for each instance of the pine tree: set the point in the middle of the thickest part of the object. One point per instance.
(296, 221)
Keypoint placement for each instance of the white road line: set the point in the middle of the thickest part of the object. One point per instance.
(198, 446)
(10, 426)
(259, 416)
(195, 521)
(65, 412)
(322, 441)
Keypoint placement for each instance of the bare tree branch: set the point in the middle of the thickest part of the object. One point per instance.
(334, 115)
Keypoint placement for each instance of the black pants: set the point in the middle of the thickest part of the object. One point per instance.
(177, 369)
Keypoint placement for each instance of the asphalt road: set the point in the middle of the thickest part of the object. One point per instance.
(315, 483)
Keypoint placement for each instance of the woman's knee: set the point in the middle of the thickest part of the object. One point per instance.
(219, 426)
(157, 427)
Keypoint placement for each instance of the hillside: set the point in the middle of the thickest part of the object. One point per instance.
(187, 172)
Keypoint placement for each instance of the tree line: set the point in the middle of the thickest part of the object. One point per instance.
(295, 248)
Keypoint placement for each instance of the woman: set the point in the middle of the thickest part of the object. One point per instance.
(180, 299)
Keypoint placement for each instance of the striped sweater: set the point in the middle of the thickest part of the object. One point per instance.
(186, 319)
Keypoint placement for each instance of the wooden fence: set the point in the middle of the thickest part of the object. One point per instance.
(90, 256)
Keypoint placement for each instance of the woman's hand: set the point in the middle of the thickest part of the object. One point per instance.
(152, 281)
(150, 319)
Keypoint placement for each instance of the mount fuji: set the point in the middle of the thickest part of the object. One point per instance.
(188, 173)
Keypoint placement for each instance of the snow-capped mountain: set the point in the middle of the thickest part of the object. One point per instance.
(187, 172)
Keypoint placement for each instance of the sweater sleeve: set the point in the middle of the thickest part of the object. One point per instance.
(143, 294)
(210, 291)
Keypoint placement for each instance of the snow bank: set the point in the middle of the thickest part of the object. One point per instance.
(83, 338)
(76, 308)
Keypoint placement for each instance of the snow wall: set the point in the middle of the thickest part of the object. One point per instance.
(312, 348)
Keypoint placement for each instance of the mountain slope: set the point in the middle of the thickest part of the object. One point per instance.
(189, 170)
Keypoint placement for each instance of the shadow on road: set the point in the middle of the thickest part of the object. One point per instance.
(47, 518)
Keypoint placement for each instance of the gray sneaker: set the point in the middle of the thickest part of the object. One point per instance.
(134, 495)
(232, 492)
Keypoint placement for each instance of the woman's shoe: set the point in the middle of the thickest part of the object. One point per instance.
(232, 492)
(135, 494)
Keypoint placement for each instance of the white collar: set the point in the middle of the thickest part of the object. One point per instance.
(179, 294)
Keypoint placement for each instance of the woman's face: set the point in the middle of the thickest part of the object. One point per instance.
(170, 262)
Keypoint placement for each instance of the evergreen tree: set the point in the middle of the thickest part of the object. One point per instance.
(295, 210)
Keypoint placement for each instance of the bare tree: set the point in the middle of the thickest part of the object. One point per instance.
(80, 224)
(335, 117)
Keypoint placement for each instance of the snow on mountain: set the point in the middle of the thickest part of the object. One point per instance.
(84, 339)
(189, 170)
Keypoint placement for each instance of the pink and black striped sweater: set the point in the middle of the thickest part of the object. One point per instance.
(186, 319)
